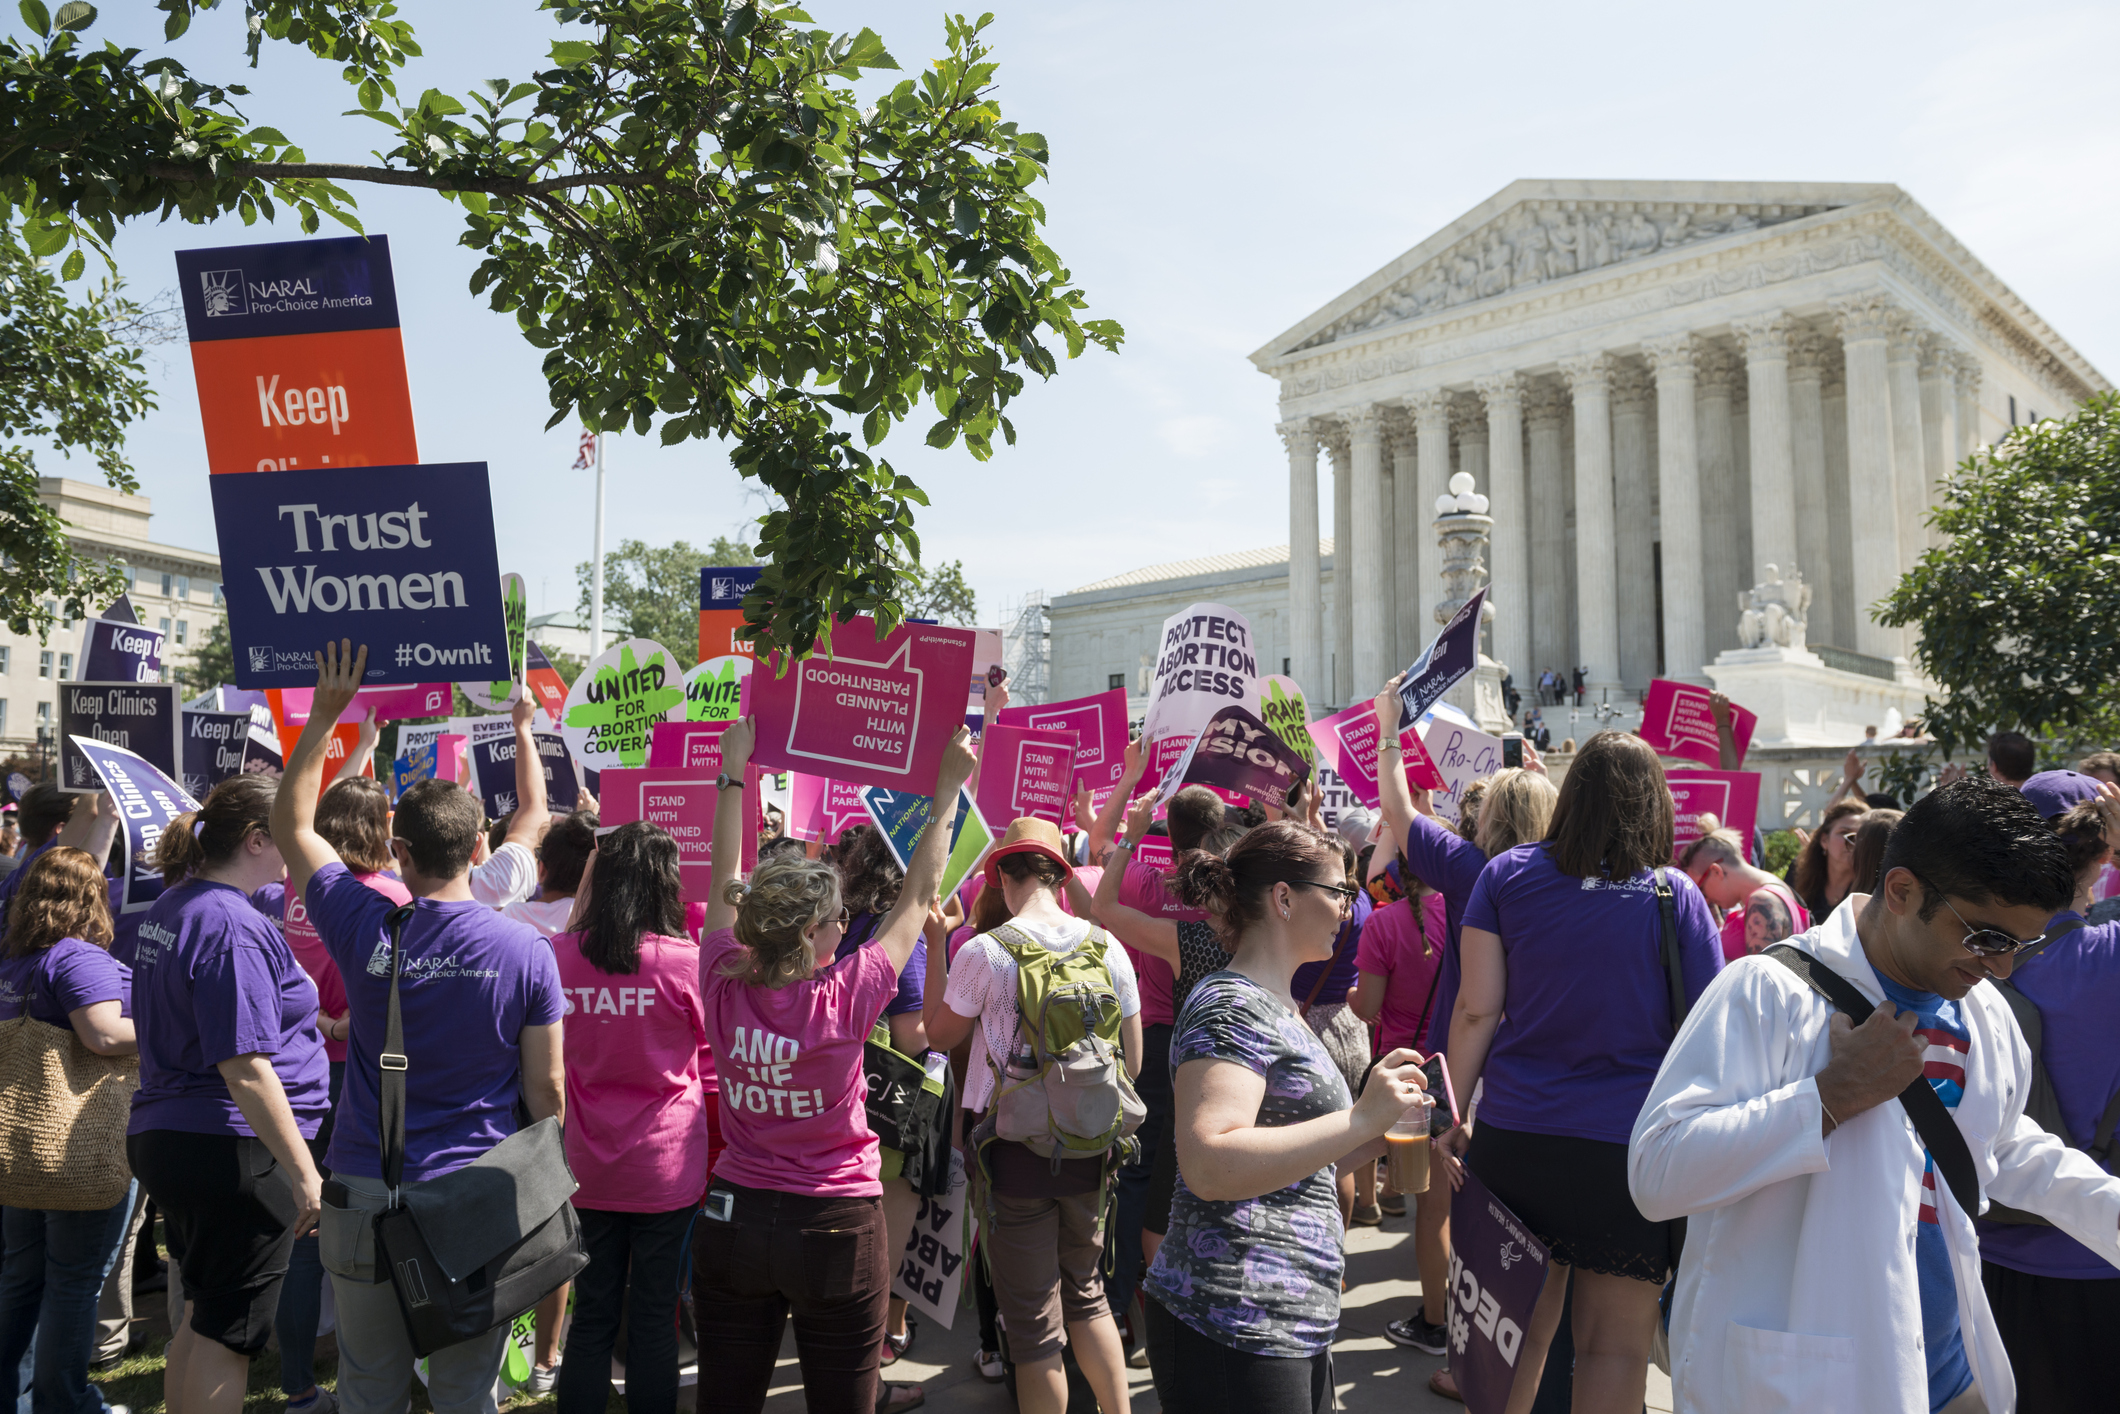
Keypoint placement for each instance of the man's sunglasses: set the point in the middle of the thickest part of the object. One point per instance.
(1987, 942)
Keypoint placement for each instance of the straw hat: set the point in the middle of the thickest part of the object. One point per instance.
(1028, 836)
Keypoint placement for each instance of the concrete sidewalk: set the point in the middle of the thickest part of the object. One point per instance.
(1371, 1375)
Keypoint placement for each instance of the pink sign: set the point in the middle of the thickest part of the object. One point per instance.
(680, 801)
(1677, 722)
(1154, 852)
(686, 744)
(1099, 723)
(842, 807)
(420, 699)
(452, 757)
(1732, 797)
(1024, 771)
(1348, 742)
(805, 802)
(874, 713)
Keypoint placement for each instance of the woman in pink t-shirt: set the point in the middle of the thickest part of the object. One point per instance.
(793, 1221)
(1757, 909)
(636, 1111)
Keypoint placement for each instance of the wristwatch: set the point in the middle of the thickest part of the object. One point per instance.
(1127, 845)
(725, 780)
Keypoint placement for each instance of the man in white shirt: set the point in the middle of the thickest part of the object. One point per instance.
(509, 874)
(1828, 1264)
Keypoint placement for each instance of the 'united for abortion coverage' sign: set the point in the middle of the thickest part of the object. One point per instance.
(614, 705)
(1732, 797)
(147, 800)
(680, 800)
(296, 349)
(876, 712)
(1241, 754)
(118, 650)
(143, 718)
(1204, 662)
(1099, 725)
(400, 558)
(1348, 742)
(1677, 721)
(1497, 1269)
(1025, 772)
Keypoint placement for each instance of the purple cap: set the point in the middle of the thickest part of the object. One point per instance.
(2057, 792)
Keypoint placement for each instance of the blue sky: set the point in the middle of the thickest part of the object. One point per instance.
(1219, 170)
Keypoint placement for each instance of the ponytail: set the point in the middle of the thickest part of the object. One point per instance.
(1234, 889)
(209, 836)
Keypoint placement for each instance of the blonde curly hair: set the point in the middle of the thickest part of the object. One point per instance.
(785, 897)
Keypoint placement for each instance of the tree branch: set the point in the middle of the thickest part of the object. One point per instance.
(400, 177)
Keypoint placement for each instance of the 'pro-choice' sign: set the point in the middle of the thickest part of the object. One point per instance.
(400, 558)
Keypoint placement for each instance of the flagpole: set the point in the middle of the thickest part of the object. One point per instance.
(596, 579)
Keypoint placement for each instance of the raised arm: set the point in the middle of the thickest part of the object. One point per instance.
(901, 927)
(729, 822)
(91, 825)
(1146, 931)
(1725, 732)
(990, 706)
(527, 826)
(1394, 797)
(294, 809)
(1106, 827)
(356, 762)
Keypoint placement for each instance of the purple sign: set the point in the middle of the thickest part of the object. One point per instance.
(147, 801)
(1238, 752)
(143, 718)
(1497, 1269)
(215, 745)
(493, 765)
(287, 287)
(113, 650)
(1454, 653)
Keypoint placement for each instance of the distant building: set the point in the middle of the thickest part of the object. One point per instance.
(175, 590)
(568, 632)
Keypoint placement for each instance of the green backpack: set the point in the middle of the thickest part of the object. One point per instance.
(1064, 1093)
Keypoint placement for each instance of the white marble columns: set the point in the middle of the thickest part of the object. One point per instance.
(1716, 384)
(1596, 572)
(1365, 435)
(1406, 537)
(1765, 341)
(1807, 454)
(1431, 420)
(1634, 531)
(1678, 497)
(1306, 616)
(1939, 421)
(1903, 335)
(1544, 408)
(1873, 514)
(1342, 664)
(1504, 399)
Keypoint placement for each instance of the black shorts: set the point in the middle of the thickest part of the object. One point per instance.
(228, 1212)
(1572, 1194)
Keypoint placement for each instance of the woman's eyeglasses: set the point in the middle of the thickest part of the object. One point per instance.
(1348, 892)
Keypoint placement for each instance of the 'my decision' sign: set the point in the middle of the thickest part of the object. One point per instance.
(400, 558)
(876, 712)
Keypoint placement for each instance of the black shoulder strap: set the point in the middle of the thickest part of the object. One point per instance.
(2101, 1146)
(1674, 975)
(1932, 1120)
(391, 1105)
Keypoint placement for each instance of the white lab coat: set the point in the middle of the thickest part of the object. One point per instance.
(1797, 1291)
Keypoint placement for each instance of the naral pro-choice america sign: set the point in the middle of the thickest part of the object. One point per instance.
(400, 558)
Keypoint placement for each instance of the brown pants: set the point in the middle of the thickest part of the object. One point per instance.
(1046, 1255)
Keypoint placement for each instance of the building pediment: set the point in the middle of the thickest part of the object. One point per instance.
(1536, 232)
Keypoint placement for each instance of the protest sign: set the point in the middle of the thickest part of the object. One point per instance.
(18, 784)
(117, 650)
(1099, 725)
(1205, 660)
(614, 705)
(1449, 656)
(1676, 720)
(900, 816)
(1154, 852)
(499, 694)
(715, 690)
(1281, 706)
(680, 801)
(451, 759)
(400, 558)
(1025, 771)
(545, 681)
(296, 350)
(931, 1268)
(721, 592)
(1732, 797)
(876, 712)
(1238, 753)
(414, 764)
(988, 669)
(687, 744)
(1334, 798)
(147, 800)
(493, 772)
(261, 752)
(413, 736)
(1348, 742)
(1462, 755)
(1497, 1269)
(805, 799)
(121, 611)
(142, 717)
(838, 807)
(390, 704)
(214, 747)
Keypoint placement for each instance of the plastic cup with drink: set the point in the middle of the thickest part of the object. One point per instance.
(1406, 1148)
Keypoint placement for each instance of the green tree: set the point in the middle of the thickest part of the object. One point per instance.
(213, 661)
(655, 589)
(940, 594)
(690, 209)
(2018, 609)
(71, 375)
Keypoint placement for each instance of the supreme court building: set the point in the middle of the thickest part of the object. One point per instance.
(1663, 388)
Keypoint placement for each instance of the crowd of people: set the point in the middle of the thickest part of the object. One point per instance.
(1170, 1087)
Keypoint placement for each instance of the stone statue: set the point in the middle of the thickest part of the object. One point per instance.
(1639, 237)
(1531, 253)
(1597, 242)
(1560, 260)
(1775, 613)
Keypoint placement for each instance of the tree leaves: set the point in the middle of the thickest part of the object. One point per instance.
(74, 16)
(37, 18)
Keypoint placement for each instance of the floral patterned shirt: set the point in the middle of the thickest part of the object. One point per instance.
(1261, 1275)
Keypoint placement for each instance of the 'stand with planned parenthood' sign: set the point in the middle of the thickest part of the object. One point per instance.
(400, 558)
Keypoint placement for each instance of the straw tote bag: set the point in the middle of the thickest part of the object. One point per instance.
(63, 1111)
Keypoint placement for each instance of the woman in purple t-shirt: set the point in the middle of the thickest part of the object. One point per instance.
(1565, 1011)
(56, 967)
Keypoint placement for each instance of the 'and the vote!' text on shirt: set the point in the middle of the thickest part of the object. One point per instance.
(469, 982)
(794, 1102)
(213, 980)
(55, 983)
